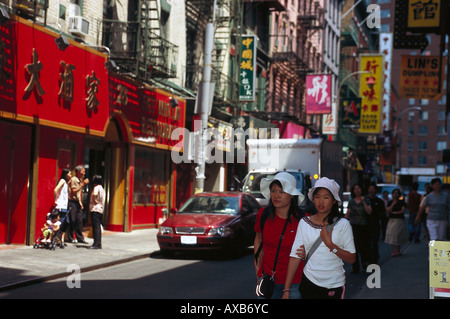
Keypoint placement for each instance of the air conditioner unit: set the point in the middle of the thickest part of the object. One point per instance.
(78, 25)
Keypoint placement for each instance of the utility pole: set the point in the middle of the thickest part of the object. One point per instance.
(204, 102)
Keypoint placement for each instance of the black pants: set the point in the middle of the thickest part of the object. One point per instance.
(309, 290)
(96, 219)
(361, 237)
(76, 221)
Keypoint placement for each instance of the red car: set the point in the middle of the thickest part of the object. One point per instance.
(211, 221)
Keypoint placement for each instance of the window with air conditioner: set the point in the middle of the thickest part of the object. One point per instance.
(76, 23)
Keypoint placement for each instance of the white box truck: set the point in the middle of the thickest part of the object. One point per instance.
(306, 159)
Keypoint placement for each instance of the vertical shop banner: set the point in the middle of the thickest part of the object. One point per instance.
(370, 91)
(420, 77)
(329, 121)
(318, 94)
(247, 70)
(351, 112)
(386, 40)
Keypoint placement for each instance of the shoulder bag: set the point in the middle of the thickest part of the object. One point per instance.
(266, 284)
(318, 242)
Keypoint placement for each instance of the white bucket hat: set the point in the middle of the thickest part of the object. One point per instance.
(287, 181)
(329, 184)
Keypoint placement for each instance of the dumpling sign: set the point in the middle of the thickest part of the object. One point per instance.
(421, 77)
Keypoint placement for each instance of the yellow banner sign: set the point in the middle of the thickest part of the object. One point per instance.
(424, 14)
(370, 91)
(420, 77)
(439, 264)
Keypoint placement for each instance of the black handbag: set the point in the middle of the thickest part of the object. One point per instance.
(266, 284)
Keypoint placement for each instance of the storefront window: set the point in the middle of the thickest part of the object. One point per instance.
(150, 177)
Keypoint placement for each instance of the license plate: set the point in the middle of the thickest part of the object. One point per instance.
(189, 240)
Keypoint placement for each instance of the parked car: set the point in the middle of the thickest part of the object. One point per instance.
(211, 221)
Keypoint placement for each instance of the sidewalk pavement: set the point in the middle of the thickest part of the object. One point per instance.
(402, 277)
(22, 265)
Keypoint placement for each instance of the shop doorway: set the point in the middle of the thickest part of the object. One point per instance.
(94, 158)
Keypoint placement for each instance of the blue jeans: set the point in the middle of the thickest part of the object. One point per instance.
(278, 292)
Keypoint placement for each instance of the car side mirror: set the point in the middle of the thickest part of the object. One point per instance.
(173, 211)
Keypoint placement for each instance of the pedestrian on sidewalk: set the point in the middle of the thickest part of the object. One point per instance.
(374, 222)
(75, 205)
(61, 194)
(413, 204)
(281, 211)
(396, 229)
(357, 213)
(323, 274)
(438, 204)
(96, 207)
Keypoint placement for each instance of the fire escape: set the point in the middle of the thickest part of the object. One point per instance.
(295, 55)
(225, 55)
(138, 46)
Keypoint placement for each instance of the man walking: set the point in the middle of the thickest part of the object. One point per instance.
(438, 203)
(413, 204)
(75, 205)
(374, 220)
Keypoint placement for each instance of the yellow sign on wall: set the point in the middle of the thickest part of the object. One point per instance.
(439, 264)
(370, 91)
(424, 14)
(420, 77)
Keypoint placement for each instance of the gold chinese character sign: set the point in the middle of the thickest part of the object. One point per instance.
(33, 69)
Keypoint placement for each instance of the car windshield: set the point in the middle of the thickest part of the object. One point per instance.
(210, 205)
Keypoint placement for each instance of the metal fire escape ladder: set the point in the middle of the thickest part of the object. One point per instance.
(149, 31)
(227, 35)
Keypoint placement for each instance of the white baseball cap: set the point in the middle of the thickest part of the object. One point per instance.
(287, 181)
(329, 184)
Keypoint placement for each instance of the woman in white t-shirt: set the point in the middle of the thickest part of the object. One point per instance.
(61, 193)
(96, 207)
(323, 274)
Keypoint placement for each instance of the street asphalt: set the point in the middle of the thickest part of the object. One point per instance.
(401, 277)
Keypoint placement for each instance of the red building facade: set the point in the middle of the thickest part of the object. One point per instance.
(61, 108)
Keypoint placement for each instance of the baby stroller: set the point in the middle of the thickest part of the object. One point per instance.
(50, 234)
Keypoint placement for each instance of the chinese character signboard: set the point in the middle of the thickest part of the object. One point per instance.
(386, 40)
(329, 121)
(420, 77)
(63, 89)
(370, 91)
(248, 69)
(424, 14)
(351, 112)
(150, 116)
(439, 264)
(318, 94)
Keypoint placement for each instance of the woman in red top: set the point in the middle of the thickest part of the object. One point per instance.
(283, 204)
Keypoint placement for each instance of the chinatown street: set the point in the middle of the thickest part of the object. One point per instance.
(130, 266)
